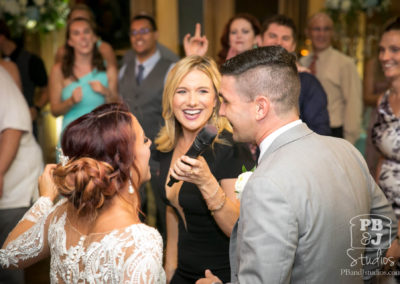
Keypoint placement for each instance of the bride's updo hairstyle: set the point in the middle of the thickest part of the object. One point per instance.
(99, 154)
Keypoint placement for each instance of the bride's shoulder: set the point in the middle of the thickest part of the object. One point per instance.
(144, 230)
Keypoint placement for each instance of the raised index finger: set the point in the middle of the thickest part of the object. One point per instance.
(197, 32)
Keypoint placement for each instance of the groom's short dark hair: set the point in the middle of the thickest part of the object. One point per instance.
(270, 71)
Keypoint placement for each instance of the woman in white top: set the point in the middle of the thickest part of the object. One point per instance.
(93, 234)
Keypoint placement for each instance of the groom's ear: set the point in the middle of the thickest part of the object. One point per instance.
(262, 107)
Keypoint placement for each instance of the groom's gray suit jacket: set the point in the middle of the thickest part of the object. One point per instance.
(297, 212)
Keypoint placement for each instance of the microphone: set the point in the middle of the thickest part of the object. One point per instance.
(203, 139)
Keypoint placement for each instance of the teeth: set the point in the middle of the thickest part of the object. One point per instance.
(192, 112)
(388, 65)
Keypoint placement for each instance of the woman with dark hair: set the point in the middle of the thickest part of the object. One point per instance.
(241, 33)
(202, 207)
(386, 131)
(93, 234)
(81, 10)
(82, 81)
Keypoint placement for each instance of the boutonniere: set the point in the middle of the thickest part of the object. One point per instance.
(242, 180)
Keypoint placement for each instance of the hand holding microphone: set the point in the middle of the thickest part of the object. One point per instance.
(203, 139)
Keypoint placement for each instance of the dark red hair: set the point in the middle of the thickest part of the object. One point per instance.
(101, 152)
(255, 25)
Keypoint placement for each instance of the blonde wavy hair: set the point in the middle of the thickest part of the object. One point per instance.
(168, 136)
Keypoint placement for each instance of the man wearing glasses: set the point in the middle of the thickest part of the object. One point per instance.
(338, 75)
(141, 84)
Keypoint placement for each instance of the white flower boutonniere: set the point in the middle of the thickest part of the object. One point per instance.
(241, 182)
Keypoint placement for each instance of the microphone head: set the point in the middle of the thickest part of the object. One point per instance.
(207, 135)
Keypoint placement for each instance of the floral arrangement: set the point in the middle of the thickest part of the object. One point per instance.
(241, 181)
(346, 17)
(351, 6)
(34, 15)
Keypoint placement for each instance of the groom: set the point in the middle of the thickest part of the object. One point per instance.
(305, 213)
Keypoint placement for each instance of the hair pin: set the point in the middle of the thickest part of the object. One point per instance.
(61, 157)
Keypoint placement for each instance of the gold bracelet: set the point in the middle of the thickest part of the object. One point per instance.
(219, 206)
(213, 194)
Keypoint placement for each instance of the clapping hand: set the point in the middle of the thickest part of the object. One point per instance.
(76, 95)
(196, 45)
(98, 87)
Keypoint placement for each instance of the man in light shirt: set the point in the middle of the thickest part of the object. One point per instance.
(308, 204)
(338, 75)
(21, 163)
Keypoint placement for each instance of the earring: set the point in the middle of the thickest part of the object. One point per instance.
(131, 190)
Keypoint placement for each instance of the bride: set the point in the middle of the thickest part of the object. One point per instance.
(93, 233)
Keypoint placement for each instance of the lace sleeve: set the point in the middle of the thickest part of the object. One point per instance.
(40, 208)
(29, 238)
(145, 266)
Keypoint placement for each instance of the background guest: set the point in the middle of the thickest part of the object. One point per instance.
(385, 133)
(202, 207)
(141, 83)
(241, 33)
(12, 70)
(281, 30)
(81, 82)
(374, 85)
(83, 11)
(93, 234)
(20, 163)
(338, 75)
(32, 72)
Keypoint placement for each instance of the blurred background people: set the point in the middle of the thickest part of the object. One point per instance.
(338, 75)
(374, 86)
(241, 33)
(202, 207)
(386, 131)
(12, 70)
(93, 233)
(20, 163)
(141, 83)
(83, 11)
(281, 30)
(31, 70)
(81, 82)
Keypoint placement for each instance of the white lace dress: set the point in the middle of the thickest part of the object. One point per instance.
(128, 255)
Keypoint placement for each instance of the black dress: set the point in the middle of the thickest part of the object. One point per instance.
(203, 245)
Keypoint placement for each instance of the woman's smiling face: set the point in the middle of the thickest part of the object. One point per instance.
(194, 100)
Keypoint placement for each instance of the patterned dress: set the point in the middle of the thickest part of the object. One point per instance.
(386, 137)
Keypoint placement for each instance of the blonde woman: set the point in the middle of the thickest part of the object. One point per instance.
(202, 207)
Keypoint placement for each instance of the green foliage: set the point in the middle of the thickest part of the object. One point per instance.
(38, 15)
